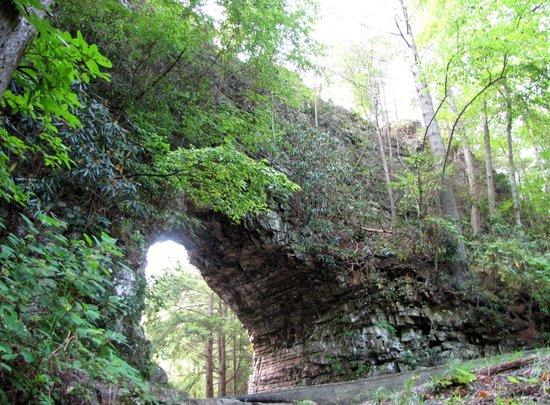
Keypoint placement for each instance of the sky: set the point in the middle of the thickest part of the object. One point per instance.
(166, 255)
(345, 22)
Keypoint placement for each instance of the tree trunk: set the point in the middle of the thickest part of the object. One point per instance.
(540, 161)
(222, 358)
(209, 357)
(475, 221)
(491, 195)
(388, 130)
(272, 114)
(386, 174)
(15, 35)
(446, 195)
(374, 95)
(234, 380)
(510, 152)
(375, 102)
(538, 157)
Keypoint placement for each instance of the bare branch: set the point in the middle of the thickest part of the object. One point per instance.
(468, 104)
(161, 76)
(401, 32)
(445, 92)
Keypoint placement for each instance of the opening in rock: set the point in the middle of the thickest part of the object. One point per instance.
(195, 336)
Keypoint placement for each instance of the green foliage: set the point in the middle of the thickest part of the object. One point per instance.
(174, 67)
(338, 196)
(188, 105)
(225, 179)
(519, 263)
(43, 92)
(419, 183)
(442, 234)
(457, 376)
(105, 157)
(214, 125)
(179, 323)
(386, 326)
(477, 41)
(335, 364)
(56, 296)
(268, 29)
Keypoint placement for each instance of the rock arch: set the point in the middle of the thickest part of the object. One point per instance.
(313, 323)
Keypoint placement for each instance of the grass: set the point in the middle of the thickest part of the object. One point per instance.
(462, 375)
(501, 358)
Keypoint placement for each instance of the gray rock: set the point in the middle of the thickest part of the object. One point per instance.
(159, 376)
(409, 335)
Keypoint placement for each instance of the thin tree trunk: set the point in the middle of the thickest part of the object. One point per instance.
(237, 357)
(385, 166)
(390, 147)
(438, 149)
(234, 381)
(510, 153)
(387, 128)
(209, 356)
(538, 157)
(540, 161)
(396, 124)
(272, 114)
(222, 358)
(475, 221)
(489, 172)
(387, 176)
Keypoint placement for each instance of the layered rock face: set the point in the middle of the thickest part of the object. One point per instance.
(311, 323)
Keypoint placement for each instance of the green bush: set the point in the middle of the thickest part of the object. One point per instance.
(56, 295)
(518, 262)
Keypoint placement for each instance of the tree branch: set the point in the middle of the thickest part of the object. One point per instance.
(468, 104)
(441, 102)
(161, 76)
(163, 175)
(401, 33)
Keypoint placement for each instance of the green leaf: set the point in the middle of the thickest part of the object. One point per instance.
(27, 356)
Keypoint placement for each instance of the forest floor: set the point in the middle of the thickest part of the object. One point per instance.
(517, 378)
(509, 379)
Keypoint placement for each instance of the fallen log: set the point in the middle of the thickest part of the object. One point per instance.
(511, 365)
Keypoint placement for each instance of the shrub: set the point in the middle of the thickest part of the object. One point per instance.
(55, 297)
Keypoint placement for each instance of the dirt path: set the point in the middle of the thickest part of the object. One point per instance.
(348, 393)
(513, 379)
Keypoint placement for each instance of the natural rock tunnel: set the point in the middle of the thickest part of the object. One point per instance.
(311, 323)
